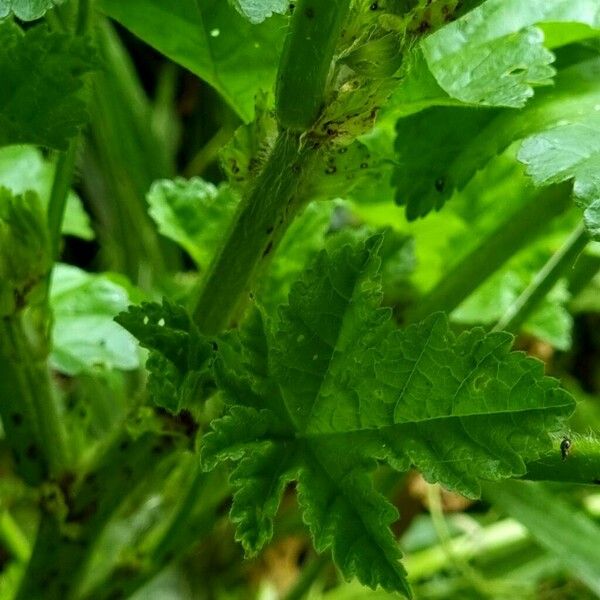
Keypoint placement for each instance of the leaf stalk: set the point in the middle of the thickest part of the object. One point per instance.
(544, 280)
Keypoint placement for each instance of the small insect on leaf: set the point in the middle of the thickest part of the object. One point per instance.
(565, 447)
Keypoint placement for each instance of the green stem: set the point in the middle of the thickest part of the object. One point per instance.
(193, 517)
(544, 281)
(63, 177)
(309, 575)
(474, 579)
(580, 465)
(209, 152)
(262, 218)
(179, 522)
(488, 540)
(516, 231)
(13, 538)
(29, 409)
(30, 413)
(83, 17)
(89, 502)
(122, 158)
(65, 166)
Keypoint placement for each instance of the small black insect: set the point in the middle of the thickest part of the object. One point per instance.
(565, 447)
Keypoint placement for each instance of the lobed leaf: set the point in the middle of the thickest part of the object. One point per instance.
(27, 10)
(493, 57)
(256, 11)
(341, 387)
(42, 78)
(180, 357)
(428, 173)
(467, 139)
(571, 150)
(192, 213)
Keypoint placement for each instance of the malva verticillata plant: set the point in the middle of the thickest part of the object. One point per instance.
(268, 268)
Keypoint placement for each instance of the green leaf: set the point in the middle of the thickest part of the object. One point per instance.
(180, 357)
(25, 256)
(24, 168)
(27, 10)
(192, 213)
(343, 387)
(424, 178)
(498, 72)
(300, 244)
(85, 334)
(42, 74)
(256, 11)
(418, 90)
(210, 39)
(474, 137)
(570, 150)
(493, 57)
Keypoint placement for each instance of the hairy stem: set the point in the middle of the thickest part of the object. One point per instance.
(544, 281)
(29, 409)
(581, 464)
(262, 218)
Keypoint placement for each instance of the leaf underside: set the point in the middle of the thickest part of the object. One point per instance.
(27, 10)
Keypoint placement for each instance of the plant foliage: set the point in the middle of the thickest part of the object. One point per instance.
(373, 226)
